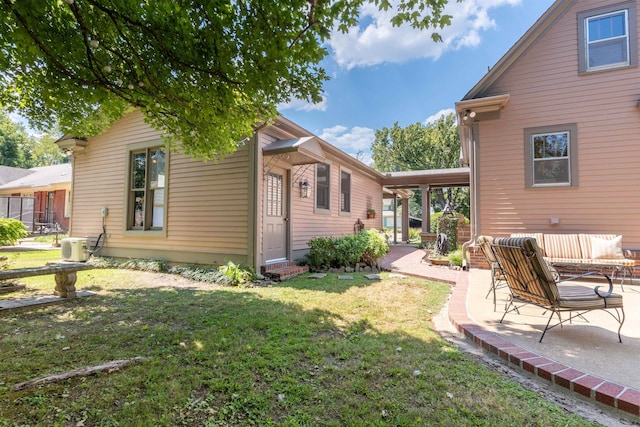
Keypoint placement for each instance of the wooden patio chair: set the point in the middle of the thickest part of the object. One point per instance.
(498, 279)
(531, 281)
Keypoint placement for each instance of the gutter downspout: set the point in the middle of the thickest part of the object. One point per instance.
(469, 139)
(254, 199)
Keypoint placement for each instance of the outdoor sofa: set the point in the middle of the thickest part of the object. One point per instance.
(580, 252)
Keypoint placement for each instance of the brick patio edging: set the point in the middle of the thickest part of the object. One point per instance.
(586, 386)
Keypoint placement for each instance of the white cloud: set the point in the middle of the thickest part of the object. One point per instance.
(380, 42)
(442, 113)
(352, 141)
(303, 105)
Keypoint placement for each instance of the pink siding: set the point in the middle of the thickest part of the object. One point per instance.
(545, 89)
(365, 193)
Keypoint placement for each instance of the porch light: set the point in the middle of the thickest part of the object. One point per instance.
(468, 114)
(305, 189)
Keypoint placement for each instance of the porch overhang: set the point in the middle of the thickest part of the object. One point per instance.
(436, 178)
(297, 151)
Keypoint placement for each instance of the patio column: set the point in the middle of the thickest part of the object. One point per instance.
(405, 219)
(426, 211)
(395, 218)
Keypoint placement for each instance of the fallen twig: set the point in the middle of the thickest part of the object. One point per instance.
(80, 372)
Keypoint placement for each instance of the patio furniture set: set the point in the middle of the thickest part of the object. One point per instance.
(530, 267)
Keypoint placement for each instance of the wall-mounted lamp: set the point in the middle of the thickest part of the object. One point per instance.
(468, 114)
(305, 189)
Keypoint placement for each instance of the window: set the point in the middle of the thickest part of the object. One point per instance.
(323, 173)
(274, 194)
(345, 192)
(607, 38)
(550, 156)
(146, 190)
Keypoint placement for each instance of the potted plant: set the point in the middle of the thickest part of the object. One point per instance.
(371, 213)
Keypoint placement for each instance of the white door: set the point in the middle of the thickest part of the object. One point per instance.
(276, 216)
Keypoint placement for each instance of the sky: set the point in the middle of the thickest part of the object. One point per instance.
(381, 75)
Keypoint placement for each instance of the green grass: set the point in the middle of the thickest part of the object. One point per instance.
(302, 353)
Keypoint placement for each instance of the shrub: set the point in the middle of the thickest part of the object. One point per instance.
(365, 247)
(238, 274)
(448, 225)
(455, 258)
(414, 234)
(11, 230)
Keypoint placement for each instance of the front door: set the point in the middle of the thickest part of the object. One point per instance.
(276, 216)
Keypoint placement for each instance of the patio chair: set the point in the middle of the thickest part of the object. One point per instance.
(531, 281)
(498, 279)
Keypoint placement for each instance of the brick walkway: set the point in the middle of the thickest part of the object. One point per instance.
(408, 260)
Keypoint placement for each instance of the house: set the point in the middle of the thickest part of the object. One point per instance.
(258, 206)
(388, 216)
(39, 196)
(550, 133)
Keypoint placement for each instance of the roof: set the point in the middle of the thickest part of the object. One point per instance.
(454, 177)
(8, 174)
(537, 30)
(42, 176)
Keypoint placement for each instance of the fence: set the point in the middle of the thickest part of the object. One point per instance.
(20, 208)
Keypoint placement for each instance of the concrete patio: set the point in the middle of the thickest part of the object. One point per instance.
(584, 358)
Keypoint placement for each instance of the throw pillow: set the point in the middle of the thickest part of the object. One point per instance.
(606, 249)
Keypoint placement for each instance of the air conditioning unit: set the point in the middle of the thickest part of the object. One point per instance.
(74, 249)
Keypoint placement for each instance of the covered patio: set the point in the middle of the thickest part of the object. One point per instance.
(398, 185)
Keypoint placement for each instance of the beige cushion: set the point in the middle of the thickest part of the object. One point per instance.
(606, 249)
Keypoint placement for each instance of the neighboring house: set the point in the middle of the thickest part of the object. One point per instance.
(258, 206)
(387, 216)
(551, 131)
(39, 196)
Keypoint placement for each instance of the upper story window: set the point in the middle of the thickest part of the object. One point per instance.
(345, 192)
(607, 38)
(323, 174)
(550, 156)
(147, 201)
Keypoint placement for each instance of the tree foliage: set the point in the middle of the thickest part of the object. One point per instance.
(204, 71)
(13, 142)
(21, 150)
(422, 147)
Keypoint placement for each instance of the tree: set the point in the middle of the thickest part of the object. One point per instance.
(13, 139)
(206, 72)
(45, 152)
(422, 147)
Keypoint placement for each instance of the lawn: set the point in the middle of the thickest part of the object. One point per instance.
(301, 353)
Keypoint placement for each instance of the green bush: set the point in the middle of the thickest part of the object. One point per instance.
(448, 225)
(455, 258)
(238, 274)
(414, 234)
(11, 230)
(332, 252)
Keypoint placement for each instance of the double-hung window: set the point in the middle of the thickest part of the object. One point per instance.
(345, 192)
(147, 199)
(607, 38)
(550, 156)
(323, 178)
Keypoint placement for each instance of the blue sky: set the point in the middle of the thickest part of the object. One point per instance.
(381, 75)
